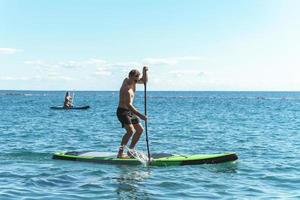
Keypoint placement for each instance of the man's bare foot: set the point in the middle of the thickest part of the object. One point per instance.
(120, 153)
(123, 156)
(130, 154)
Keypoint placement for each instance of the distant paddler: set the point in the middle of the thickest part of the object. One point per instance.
(68, 101)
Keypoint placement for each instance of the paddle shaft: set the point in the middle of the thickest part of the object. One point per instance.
(146, 125)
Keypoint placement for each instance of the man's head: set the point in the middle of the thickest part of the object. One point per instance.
(134, 75)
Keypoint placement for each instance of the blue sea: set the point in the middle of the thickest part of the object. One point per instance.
(263, 128)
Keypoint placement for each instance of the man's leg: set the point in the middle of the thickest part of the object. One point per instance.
(138, 132)
(129, 131)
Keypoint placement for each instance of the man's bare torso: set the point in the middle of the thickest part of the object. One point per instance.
(127, 92)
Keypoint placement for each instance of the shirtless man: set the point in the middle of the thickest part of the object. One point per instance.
(127, 114)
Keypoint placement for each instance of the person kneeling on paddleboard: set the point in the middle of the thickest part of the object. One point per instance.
(127, 114)
(68, 101)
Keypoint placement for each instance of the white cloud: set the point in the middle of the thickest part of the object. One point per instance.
(82, 63)
(97, 64)
(95, 61)
(170, 60)
(9, 50)
(34, 62)
(36, 78)
(189, 58)
(12, 78)
(60, 77)
(7, 78)
(102, 71)
(85, 71)
(69, 64)
(97, 67)
(160, 61)
(181, 73)
(125, 65)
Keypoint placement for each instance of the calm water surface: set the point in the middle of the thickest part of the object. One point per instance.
(263, 128)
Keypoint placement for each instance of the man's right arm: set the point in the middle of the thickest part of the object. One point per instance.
(132, 108)
(134, 111)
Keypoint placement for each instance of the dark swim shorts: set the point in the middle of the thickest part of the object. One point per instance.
(125, 116)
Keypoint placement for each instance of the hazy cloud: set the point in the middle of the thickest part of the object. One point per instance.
(60, 77)
(95, 61)
(102, 71)
(170, 60)
(181, 73)
(34, 62)
(17, 78)
(9, 50)
(65, 70)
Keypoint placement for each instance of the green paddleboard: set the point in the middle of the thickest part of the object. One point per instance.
(158, 159)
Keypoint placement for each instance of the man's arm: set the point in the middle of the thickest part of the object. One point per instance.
(136, 112)
(131, 107)
(144, 79)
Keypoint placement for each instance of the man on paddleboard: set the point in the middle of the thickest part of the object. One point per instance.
(127, 114)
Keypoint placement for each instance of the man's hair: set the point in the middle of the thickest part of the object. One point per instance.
(134, 72)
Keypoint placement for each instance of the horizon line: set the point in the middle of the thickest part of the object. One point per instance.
(153, 90)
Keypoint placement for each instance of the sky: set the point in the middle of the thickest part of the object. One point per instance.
(192, 45)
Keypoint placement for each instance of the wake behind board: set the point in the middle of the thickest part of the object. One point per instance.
(160, 159)
(71, 108)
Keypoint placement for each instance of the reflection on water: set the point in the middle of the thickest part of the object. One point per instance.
(129, 182)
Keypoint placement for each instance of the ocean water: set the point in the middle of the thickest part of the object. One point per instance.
(263, 128)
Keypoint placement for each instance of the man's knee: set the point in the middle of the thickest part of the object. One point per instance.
(130, 130)
(139, 129)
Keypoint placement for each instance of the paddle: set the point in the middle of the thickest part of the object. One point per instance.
(146, 126)
(73, 99)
